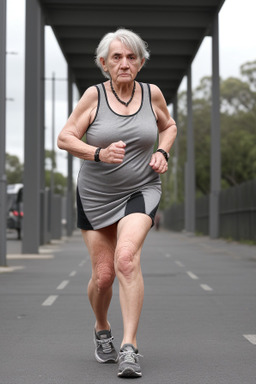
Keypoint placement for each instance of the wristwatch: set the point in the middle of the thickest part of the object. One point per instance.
(97, 155)
(166, 154)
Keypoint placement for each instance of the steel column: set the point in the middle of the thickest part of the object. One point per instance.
(33, 83)
(2, 132)
(176, 149)
(215, 136)
(190, 167)
(43, 218)
(70, 197)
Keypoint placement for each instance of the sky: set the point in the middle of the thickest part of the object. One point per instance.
(237, 31)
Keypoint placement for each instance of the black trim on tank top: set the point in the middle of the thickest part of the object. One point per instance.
(135, 204)
(82, 220)
(133, 114)
(150, 101)
(98, 107)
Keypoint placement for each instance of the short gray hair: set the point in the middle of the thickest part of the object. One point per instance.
(127, 37)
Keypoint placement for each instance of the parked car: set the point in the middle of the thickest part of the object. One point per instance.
(15, 207)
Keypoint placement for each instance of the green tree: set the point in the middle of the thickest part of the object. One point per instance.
(248, 70)
(60, 182)
(238, 133)
(14, 169)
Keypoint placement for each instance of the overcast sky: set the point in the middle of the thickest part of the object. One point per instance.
(237, 46)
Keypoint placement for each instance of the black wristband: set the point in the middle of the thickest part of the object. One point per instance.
(166, 155)
(97, 154)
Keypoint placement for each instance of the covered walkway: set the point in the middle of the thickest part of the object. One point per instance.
(174, 30)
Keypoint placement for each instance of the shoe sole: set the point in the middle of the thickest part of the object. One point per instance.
(109, 361)
(129, 372)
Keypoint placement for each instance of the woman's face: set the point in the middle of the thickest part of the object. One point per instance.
(121, 63)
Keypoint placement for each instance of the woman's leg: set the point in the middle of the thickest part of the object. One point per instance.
(101, 246)
(131, 233)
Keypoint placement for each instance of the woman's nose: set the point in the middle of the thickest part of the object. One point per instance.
(124, 62)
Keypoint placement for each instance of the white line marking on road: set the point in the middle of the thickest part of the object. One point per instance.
(251, 338)
(63, 284)
(29, 256)
(50, 300)
(167, 255)
(179, 264)
(11, 269)
(73, 273)
(205, 287)
(192, 275)
(82, 263)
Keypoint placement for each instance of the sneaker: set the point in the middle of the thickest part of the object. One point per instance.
(105, 351)
(129, 362)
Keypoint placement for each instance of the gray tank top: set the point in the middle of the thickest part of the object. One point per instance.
(105, 188)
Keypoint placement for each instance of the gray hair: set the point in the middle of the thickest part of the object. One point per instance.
(127, 37)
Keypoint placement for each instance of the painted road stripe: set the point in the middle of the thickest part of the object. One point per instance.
(73, 273)
(205, 287)
(167, 255)
(192, 275)
(179, 264)
(82, 263)
(63, 284)
(251, 338)
(50, 300)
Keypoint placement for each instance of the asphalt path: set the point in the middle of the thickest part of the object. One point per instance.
(198, 324)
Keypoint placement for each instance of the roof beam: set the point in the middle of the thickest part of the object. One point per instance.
(180, 3)
(87, 46)
(129, 18)
(165, 33)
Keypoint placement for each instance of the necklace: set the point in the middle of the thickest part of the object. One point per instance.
(116, 96)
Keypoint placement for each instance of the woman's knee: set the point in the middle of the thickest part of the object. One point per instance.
(126, 263)
(103, 275)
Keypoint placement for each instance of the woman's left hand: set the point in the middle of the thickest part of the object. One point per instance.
(158, 163)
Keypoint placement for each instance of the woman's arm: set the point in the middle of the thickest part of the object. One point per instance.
(166, 127)
(83, 115)
(77, 124)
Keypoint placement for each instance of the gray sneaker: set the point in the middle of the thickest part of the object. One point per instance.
(129, 365)
(104, 349)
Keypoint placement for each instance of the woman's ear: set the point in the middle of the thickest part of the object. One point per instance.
(103, 64)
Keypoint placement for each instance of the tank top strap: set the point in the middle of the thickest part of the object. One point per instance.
(102, 100)
(146, 101)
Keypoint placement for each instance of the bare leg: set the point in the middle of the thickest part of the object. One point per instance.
(101, 246)
(131, 234)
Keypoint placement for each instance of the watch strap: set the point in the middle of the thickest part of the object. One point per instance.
(97, 155)
(166, 155)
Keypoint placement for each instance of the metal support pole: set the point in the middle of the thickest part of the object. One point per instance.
(2, 132)
(215, 136)
(33, 83)
(53, 160)
(190, 169)
(43, 218)
(70, 197)
(176, 149)
(53, 133)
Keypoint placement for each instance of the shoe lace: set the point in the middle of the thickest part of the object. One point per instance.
(130, 356)
(106, 344)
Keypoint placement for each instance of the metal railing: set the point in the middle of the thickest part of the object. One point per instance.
(237, 207)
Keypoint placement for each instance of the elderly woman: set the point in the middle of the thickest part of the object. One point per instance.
(118, 189)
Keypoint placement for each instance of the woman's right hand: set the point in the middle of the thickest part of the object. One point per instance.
(114, 153)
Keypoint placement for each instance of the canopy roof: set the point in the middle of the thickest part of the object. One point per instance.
(173, 29)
